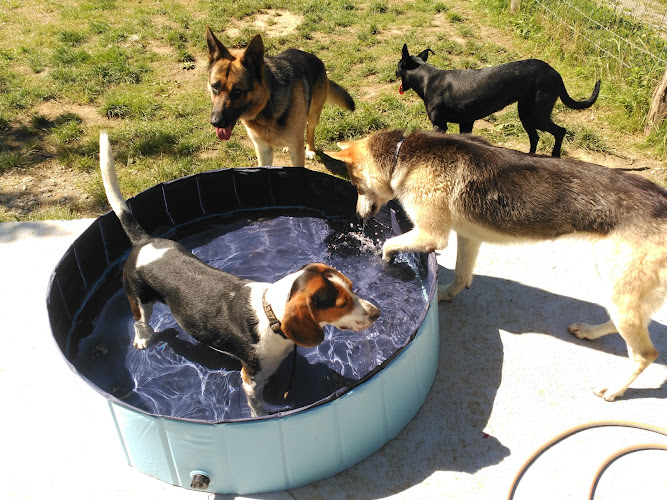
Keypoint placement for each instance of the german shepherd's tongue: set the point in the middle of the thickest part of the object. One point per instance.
(223, 133)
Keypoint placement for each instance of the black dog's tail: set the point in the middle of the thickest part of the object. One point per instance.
(134, 231)
(571, 103)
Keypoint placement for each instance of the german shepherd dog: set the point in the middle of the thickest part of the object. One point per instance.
(463, 96)
(276, 98)
(491, 194)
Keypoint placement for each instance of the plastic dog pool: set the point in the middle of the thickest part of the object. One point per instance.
(179, 408)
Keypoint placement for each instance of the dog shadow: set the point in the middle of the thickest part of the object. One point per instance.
(524, 310)
(333, 166)
(296, 383)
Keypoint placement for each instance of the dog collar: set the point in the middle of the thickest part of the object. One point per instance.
(396, 151)
(273, 321)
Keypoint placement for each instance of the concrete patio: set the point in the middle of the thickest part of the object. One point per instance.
(510, 378)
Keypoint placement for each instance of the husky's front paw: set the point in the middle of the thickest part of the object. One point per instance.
(580, 330)
(448, 292)
(142, 335)
(387, 254)
(310, 154)
(608, 394)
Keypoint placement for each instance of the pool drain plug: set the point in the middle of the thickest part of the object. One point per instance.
(200, 481)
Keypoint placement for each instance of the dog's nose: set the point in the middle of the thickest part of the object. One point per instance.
(373, 311)
(216, 119)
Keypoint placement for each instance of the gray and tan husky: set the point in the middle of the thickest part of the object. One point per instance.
(276, 98)
(490, 194)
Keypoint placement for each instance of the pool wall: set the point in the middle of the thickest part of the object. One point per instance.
(290, 451)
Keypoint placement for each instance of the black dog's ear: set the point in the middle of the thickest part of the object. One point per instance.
(405, 52)
(423, 55)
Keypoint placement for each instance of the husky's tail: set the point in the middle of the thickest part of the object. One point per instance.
(130, 225)
(571, 103)
(338, 96)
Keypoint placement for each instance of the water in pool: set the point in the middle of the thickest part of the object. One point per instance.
(180, 378)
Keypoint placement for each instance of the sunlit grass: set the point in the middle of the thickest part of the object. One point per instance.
(138, 68)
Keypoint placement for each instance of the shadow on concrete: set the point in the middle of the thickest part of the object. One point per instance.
(15, 231)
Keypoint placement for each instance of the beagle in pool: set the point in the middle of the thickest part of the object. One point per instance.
(257, 323)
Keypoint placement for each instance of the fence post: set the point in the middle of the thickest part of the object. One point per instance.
(658, 109)
(515, 5)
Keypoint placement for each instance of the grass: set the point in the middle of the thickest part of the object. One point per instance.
(71, 68)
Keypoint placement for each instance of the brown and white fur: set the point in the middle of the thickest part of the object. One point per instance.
(276, 98)
(491, 194)
(226, 312)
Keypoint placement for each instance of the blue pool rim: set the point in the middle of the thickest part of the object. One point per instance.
(294, 448)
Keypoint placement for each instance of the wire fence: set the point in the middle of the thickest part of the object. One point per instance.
(633, 32)
(650, 12)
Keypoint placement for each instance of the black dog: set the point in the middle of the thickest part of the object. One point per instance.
(463, 96)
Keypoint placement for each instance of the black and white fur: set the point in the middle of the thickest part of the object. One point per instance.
(227, 312)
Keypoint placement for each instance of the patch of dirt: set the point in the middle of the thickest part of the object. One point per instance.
(42, 188)
(271, 22)
(52, 110)
(46, 185)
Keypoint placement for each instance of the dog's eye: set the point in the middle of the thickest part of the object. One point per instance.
(215, 87)
(342, 303)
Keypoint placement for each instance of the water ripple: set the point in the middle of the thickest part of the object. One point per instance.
(178, 377)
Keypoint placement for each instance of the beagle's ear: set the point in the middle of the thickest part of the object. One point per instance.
(299, 324)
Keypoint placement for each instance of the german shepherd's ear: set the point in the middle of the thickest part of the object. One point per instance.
(253, 57)
(423, 55)
(216, 50)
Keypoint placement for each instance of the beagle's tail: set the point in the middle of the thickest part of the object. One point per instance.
(134, 231)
